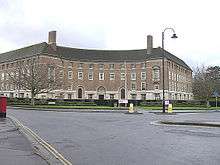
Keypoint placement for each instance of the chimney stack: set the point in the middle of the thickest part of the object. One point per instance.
(149, 44)
(52, 39)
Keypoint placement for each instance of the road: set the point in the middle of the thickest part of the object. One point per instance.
(120, 139)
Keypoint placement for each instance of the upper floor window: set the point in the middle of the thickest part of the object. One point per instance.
(101, 66)
(80, 75)
(133, 66)
(122, 66)
(112, 75)
(122, 76)
(51, 72)
(3, 76)
(70, 74)
(61, 73)
(80, 65)
(143, 75)
(111, 66)
(143, 65)
(101, 76)
(156, 73)
(133, 76)
(90, 76)
(91, 66)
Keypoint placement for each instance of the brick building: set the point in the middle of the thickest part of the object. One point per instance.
(103, 74)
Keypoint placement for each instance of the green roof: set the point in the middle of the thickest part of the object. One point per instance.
(86, 55)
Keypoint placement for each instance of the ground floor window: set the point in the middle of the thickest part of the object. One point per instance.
(112, 96)
(143, 96)
(90, 96)
(133, 96)
(69, 96)
(157, 96)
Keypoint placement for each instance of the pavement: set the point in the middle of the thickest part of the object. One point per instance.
(15, 148)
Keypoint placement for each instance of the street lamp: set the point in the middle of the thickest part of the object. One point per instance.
(173, 36)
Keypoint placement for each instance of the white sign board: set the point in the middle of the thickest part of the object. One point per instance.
(167, 102)
(122, 101)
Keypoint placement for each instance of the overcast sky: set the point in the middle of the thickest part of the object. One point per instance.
(116, 24)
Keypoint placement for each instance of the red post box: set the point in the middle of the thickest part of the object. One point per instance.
(3, 103)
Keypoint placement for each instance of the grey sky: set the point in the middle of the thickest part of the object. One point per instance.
(115, 24)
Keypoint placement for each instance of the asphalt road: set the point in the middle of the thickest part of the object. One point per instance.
(120, 139)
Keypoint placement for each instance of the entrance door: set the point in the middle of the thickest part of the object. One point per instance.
(122, 93)
(79, 93)
(101, 97)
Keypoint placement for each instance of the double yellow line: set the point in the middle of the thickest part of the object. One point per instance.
(32, 136)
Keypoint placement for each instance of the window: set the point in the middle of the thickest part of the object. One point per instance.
(112, 96)
(122, 76)
(91, 66)
(156, 73)
(69, 96)
(101, 76)
(133, 76)
(112, 76)
(133, 66)
(3, 76)
(69, 88)
(90, 76)
(157, 96)
(111, 66)
(80, 65)
(133, 96)
(80, 75)
(143, 75)
(70, 74)
(101, 66)
(169, 75)
(143, 65)
(7, 76)
(122, 66)
(90, 96)
(143, 86)
(156, 87)
(143, 96)
(61, 73)
(51, 73)
(133, 86)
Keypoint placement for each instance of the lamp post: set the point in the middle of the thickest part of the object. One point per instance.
(173, 36)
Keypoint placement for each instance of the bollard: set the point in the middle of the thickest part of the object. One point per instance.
(131, 108)
(170, 108)
(3, 103)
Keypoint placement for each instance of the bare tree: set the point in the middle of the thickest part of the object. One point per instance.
(36, 77)
(213, 72)
(203, 86)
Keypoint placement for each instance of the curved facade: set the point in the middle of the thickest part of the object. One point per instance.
(103, 74)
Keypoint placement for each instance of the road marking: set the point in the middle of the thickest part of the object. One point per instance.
(59, 159)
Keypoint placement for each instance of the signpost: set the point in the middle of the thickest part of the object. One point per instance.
(216, 95)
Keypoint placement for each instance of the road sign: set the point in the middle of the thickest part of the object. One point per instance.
(167, 102)
(123, 101)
